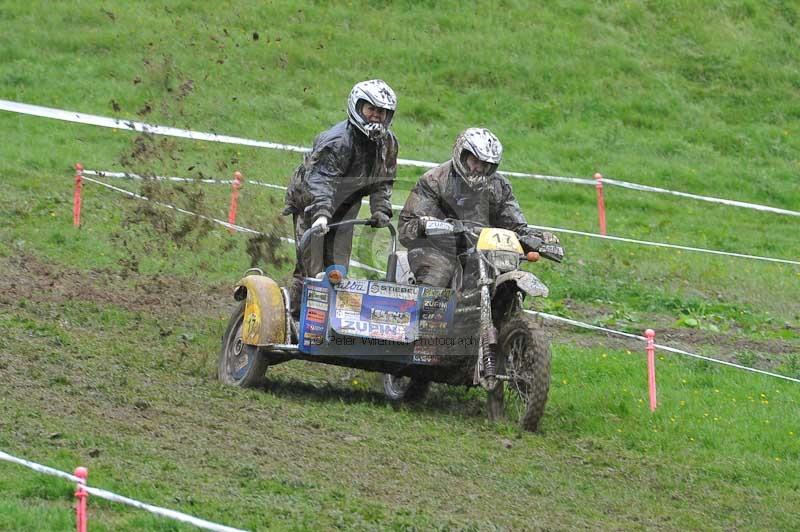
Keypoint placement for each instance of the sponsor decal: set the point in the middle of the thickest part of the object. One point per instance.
(436, 292)
(426, 358)
(373, 330)
(316, 315)
(347, 315)
(393, 291)
(318, 294)
(353, 285)
(434, 304)
(316, 304)
(390, 317)
(348, 301)
(312, 339)
(313, 327)
(433, 325)
(437, 315)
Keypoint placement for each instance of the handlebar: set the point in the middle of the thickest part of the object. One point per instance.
(393, 241)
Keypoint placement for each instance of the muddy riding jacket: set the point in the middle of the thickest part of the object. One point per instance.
(342, 167)
(441, 193)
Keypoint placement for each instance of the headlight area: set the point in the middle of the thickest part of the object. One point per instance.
(505, 261)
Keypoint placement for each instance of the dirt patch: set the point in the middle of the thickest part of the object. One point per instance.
(27, 277)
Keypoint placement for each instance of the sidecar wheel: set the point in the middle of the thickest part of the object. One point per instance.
(240, 364)
(524, 356)
(404, 388)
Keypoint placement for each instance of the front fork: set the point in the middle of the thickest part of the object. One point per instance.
(486, 366)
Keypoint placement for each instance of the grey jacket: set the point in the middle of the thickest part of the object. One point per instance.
(342, 167)
(441, 193)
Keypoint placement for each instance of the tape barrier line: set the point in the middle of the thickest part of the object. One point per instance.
(544, 228)
(165, 512)
(238, 228)
(38, 467)
(658, 346)
(663, 245)
(103, 494)
(82, 118)
(130, 125)
(732, 203)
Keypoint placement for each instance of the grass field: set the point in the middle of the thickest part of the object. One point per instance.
(109, 333)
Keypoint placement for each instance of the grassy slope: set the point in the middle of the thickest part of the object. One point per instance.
(674, 94)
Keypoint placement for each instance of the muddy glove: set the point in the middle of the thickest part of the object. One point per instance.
(320, 224)
(379, 219)
(458, 226)
(546, 244)
(441, 232)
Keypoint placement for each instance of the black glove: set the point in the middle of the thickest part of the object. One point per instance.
(379, 219)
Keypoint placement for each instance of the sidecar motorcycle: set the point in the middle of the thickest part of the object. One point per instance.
(474, 333)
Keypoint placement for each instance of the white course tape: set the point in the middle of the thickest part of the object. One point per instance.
(172, 514)
(130, 125)
(235, 227)
(103, 494)
(399, 207)
(660, 244)
(71, 116)
(662, 347)
(38, 467)
(733, 203)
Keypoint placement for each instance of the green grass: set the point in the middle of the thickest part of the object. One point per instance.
(110, 332)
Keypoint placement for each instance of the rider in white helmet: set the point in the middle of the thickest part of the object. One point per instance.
(355, 158)
(467, 187)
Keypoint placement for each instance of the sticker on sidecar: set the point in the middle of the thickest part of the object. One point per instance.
(374, 330)
(313, 314)
(390, 317)
(385, 312)
(318, 294)
(353, 285)
(393, 291)
(348, 303)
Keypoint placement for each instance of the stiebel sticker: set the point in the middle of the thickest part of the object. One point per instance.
(353, 285)
(394, 291)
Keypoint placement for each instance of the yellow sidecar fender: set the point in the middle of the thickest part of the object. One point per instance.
(264, 310)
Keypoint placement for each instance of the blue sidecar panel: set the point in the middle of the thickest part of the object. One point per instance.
(375, 309)
(375, 314)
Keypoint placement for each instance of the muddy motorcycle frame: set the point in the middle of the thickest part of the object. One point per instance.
(413, 334)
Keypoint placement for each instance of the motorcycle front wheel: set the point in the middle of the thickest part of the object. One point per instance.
(404, 388)
(523, 355)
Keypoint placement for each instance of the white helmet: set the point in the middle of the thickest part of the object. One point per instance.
(481, 143)
(378, 94)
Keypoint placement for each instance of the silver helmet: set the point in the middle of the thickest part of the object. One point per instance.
(481, 143)
(377, 93)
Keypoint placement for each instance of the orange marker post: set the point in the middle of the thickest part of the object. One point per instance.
(601, 206)
(651, 367)
(235, 186)
(76, 197)
(81, 494)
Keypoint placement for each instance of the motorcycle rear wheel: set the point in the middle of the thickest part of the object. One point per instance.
(523, 353)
